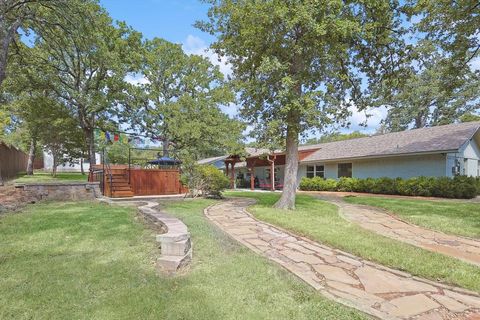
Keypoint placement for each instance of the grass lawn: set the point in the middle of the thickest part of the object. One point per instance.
(94, 261)
(319, 220)
(47, 177)
(458, 218)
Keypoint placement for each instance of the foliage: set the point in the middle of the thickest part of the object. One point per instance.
(336, 136)
(298, 65)
(207, 180)
(429, 93)
(458, 187)
(179, 102)
(37, 16)
(86, 66)
(470, 117)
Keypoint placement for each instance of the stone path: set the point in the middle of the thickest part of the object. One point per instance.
(371, 288)
(379, 221)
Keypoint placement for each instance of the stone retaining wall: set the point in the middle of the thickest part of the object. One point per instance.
(175, 243)
(62, 191)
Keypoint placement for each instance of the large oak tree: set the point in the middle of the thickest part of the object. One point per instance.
(298, 64)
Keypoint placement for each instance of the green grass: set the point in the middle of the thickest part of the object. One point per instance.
(94, 261)
(320, 221)
(47, 177)
(459, 218)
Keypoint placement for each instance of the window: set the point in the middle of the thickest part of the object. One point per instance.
(310, 171)
(320, 171)
(316, 171)
(345, 170)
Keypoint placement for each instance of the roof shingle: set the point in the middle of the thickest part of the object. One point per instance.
(424, 140)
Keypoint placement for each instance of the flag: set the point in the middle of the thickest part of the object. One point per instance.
(97, 134)
(116, 137)
(102, 136)
(107, 136)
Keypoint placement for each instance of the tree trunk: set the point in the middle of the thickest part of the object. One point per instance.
(287, 200)
(91, 146)
(81, 166)
(55, 164)
(165, 144)
(31, 157)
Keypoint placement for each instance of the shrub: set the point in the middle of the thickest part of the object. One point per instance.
(207, 180)
(457, 187)
(318, 184)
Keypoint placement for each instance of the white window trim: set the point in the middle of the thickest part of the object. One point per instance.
(315, 169)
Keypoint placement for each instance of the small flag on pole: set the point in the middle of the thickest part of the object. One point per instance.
(115, 137)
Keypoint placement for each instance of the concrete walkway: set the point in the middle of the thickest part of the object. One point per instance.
(371, 288)
(379, 221)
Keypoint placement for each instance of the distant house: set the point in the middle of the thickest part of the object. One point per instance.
(441, 151)
(74, 166)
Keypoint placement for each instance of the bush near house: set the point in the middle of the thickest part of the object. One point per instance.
(206, 180)
(460, 187)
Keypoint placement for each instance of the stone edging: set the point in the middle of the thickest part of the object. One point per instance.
(175, 242)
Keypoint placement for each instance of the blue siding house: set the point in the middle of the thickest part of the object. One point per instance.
(441, 151)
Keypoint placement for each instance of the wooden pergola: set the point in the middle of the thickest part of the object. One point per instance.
(269, 159)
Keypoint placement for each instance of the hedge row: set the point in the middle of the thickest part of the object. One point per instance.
(460, 187)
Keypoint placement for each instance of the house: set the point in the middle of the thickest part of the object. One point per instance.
(73, 166)
(441, 151)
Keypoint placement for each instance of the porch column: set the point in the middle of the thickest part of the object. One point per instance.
(232, 178)
(252, 178)
(272, 174)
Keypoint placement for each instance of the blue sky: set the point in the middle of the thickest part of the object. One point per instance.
(173, 20)
(169, 19)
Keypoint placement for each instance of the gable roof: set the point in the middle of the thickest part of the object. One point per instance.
(211, 160)
(447, 138)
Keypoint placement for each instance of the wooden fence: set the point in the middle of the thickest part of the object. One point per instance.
(12, 161)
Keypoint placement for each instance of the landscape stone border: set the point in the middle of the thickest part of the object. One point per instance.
(174, 238)
(61, 191)
(175, 242)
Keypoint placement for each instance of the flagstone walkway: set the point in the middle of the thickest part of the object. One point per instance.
(371, 288)
(379, 221)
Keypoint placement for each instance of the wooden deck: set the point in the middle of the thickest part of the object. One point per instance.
(139, 182)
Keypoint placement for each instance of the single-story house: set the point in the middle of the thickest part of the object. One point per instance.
(441, 151)
(73, 166)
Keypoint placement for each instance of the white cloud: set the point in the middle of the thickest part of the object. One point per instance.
(475, 64)
(196, 45)
(372, 117)
(136, 79)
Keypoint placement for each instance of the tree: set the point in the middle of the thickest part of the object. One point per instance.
(453, 26)
(299, 65)
(181, 98)
(336, 136)
(29, 15)
(470, 117)
(430, 94)
(86, 67)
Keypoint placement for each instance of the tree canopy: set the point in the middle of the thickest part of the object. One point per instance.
(299, 65)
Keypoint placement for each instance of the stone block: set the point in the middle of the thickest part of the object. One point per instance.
(179, 248)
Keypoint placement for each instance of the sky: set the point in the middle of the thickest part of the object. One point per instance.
(173, 20)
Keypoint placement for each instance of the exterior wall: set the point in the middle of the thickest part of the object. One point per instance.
(403, 167)
(67, 167)
(471, 156)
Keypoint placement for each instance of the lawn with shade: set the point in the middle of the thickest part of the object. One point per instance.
(94, 261)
